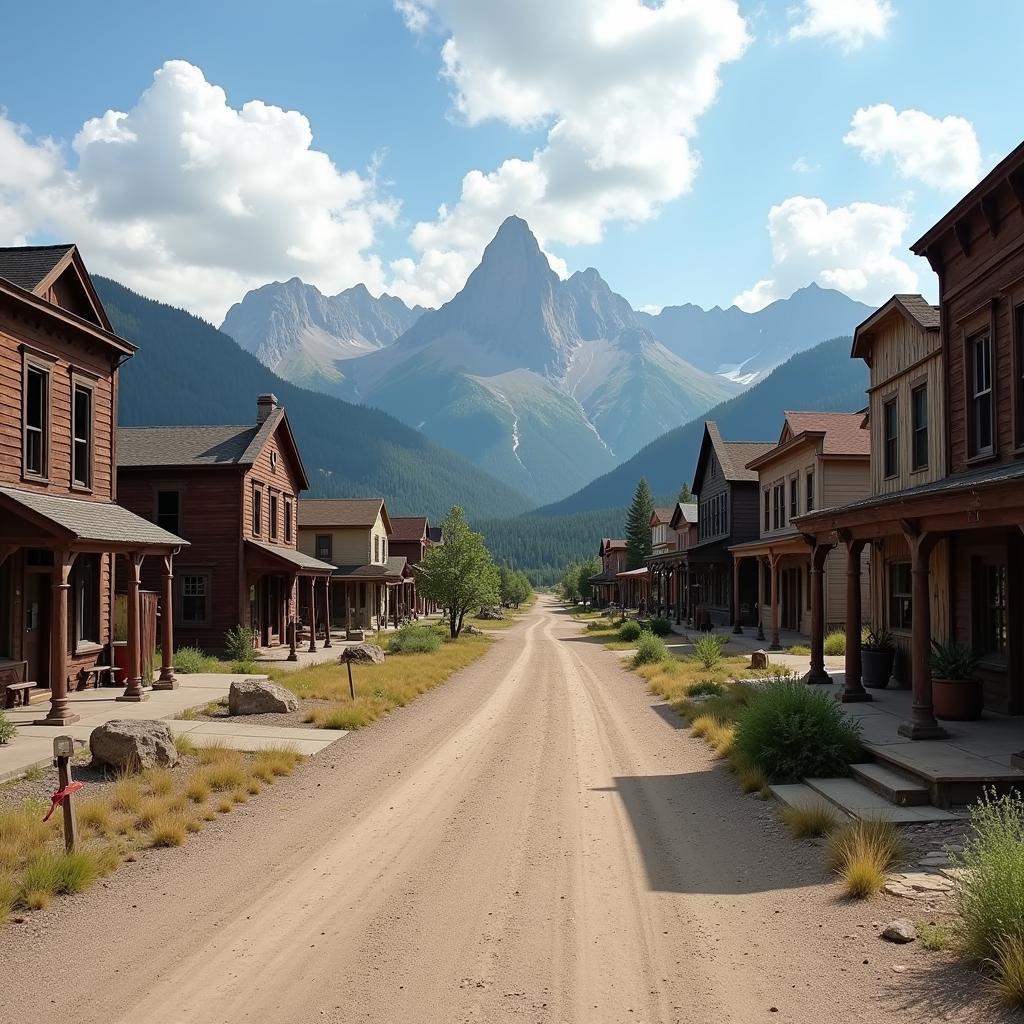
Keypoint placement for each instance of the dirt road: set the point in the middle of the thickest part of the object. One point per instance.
(535, 841)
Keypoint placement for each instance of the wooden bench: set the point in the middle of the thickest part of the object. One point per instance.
(18, 693)
(95, 673)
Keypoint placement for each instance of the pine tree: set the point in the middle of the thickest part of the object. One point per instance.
(685, 495)
(638, 526)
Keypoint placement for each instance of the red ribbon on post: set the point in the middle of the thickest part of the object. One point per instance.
(61, 795)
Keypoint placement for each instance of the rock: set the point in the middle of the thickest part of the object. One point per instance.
(898, 968)
(925, 882)
(759, 659)
(472, 631)
(366, 654)
(900, 930)
(492, 612)
(130, 744)
(260, 697)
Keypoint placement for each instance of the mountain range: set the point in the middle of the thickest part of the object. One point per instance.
(544, 383)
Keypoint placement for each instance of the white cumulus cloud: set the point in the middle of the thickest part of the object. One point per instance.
(191, 200)
(850, 248)
(846, 23)
(615, 86)
(941, 152)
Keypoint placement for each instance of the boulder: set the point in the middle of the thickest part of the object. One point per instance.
(366, 654)
(759, 659)
(471, 630)
(901, 930)
(130, 744)
(260, 697)
(490, 613)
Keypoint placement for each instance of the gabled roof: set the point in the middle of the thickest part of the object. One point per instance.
(683, 515)
(28, 266)
(841, 434)
(343, 513)
(661, 516)
(733, 456)
(611, 544)
(913, 308)
(290, 557)
(408, 528)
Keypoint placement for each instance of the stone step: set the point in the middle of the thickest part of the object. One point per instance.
(856, 800)
(799, 795)
(895, 787)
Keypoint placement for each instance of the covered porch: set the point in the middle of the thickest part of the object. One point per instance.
(635, 587)
(57, 571)
(784, 587)
(368, 597)
(670, 587)
(605, 589)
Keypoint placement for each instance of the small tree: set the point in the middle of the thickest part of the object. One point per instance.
(459, 574)
(685, 495)
(570, 584)
(591, 567)
(638, 526)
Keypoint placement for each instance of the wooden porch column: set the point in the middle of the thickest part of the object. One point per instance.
(134, 690)
(736, 626)
(59, 712)
(817, 673)
(680, 577)
(922, 724)
(312, 615)
(289, 615)
(773, 566)
(168, 680)
(327, 612)
(760, 598)
(853, 690)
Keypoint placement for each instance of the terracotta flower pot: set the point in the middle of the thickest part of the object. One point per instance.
(876, 668)
(957, 700)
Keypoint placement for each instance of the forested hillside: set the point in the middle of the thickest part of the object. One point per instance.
(187, 371)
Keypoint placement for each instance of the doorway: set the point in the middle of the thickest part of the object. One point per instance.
(792, 598)
(37, 628)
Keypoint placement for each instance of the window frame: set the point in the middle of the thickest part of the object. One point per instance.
(257, 510)
(273, 508)
(904, 597)
(891, 444)
(975, 451)
(1017, 321)
(919, 430)
(157, 513)
(330, 547)
(32, 363)
(986, 616)
(809, 485)
(82, 642)
(767, 518)
(200, 574)
(288, 506)
(794, 496)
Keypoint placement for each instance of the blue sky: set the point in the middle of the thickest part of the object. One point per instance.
(368, 77)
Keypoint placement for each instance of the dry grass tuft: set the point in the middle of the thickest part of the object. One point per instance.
(169, 829)
(810, 821)
(158, 781)
(224, 805)
(126, 795)
(862, 852)
(225, 775)
(197, 788)
(184, 746)
(751, 779)
(149, 810)
(1008, 968)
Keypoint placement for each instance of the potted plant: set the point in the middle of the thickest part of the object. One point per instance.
(877, 653)
(956, 693)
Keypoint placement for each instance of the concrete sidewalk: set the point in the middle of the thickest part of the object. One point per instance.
(33, 744)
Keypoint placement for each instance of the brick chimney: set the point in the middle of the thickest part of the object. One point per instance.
(265, 405)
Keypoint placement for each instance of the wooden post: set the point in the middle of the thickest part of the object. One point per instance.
(67, 805)
(736, 625)
(853, 689)
(312, 616)
(922, 724)
(168, 680)
(289, 611)
(819, 553)
(134, 690)
(327, 612)
(760, 598)
(59, 712)
(773, 565)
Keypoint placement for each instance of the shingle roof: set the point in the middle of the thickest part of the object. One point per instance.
(339, 512)
(687, 511)
(102, 522)
(408, 527)
(844, 431)
(926, 315)
(734, 456)
(663, 515)
(613, 544)
(28, 265)
(391, 572)
(299, 559)
(141, 447)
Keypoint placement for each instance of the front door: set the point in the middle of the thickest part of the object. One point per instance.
(37, 627)
(792, 588)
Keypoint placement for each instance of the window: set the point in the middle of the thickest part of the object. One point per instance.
(794, 497)
(6, 610)
(376, 548)
(989, 586)
(810, 490)
(767, 510)
(195, 591)
(324, 547)
(81, 458)
(919, 427)
(86, 590)
(778, 506)
(168, 511)
(257, 512)
(891, 438)
(900, 590)
(1018, 317)
(980, 353)
(288, 520)
(272, 510)
(37, 420)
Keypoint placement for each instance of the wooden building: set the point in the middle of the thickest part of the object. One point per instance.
(61, 529)
(233, 492)
(371, 585)
(727, 495)
(673, 533)
(605, 584)
(948, 506)
(822, 459)
(409, 539)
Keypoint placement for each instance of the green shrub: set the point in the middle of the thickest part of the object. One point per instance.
(649, 649)
(793, 732)
(835, 643)
(630, 630)
(189, 660)
(708, 649)
(705, 688)
(990, 894)
(243, 668)
(415, 640)
(661, 627)
(7, 728)
(240, 644)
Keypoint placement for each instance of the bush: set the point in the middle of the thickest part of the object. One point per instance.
(990, 894)
(810, 821)
(649, 650)
(630, 630)
(862, 852)
(7, 728)
(661, 627)
(189, 660)
(793, 732)
(708, 649)
(835, 644)
(415, 640)
(240, 644)
(705, 688)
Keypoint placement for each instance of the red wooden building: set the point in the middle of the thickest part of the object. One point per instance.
(233, 492)
(60, 527)
(409, 539)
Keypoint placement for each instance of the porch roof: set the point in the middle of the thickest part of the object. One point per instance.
(290, 559)
(393, 571)
(787, 545)
(633, 574)
(79, 522)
